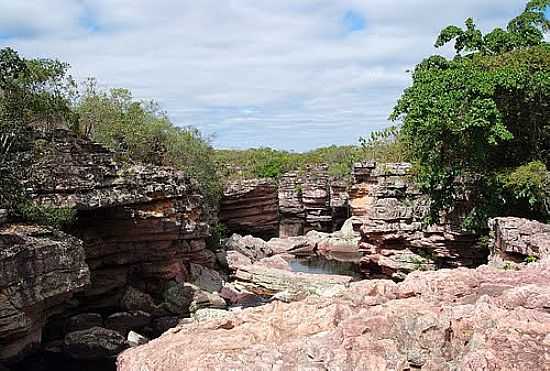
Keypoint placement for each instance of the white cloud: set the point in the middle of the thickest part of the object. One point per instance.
(254, 72)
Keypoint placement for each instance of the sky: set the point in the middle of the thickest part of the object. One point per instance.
(288, 74)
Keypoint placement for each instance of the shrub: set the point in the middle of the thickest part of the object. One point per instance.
(51, 216)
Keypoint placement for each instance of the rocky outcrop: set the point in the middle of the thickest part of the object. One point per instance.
(395, 241)
(298, 203)
(517, 240)
(312, 201)
(450, 319)
(141, 230)
(40, 271)
(251, 207)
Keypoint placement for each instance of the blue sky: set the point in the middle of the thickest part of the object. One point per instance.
(287, 74)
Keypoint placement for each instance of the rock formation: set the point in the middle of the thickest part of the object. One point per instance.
(390, 211)
(250, 207)
(142, 230)
(40, 270)
(298, 203)
(458, 319)
(516, 240)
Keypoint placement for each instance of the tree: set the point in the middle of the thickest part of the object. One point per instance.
(33, 92)
(475, 119)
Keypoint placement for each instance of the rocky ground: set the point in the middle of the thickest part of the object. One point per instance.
(495, 317)
(463, 319)
(135, 264)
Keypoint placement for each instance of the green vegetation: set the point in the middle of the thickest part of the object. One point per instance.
(382, 146)
(33, 93)
(139, 131)
(40, 94)
(478, 125)
(58, 217)
(531, 259)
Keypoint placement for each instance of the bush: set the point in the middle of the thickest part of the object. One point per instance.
(140, 131)
(51, 216)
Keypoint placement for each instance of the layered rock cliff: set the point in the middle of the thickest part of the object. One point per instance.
(395, 240)
(251, 207)
(293, 206)
(516, 240)
(140, 239)
(40, 270)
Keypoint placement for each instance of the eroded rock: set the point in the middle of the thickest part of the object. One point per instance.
(94, 343)
(517, 240)
(446, 320)
(40, 270)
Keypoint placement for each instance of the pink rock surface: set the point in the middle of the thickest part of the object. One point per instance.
(484, 319)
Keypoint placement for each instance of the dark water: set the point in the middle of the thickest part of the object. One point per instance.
(57, 362)
(341, 264)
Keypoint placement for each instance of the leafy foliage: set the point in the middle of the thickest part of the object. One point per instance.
(479, 115)
(140, 131)
(33, 93)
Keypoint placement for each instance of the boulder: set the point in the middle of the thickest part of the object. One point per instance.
(266, 282)
(251, 247)
(94, 343)
(123, 322)
(292, 245)
(134, 299)
(184, 298)
(236, 296)
(204, 299)
(83, 321)
(205, 278)
(235, 260)
(178, 297)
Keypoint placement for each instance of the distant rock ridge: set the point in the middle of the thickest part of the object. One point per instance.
(387, 207)
(292, 206)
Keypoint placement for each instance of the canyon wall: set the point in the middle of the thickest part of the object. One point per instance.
(293, 206)
(395, 240)
(388, 210)
(139, 239)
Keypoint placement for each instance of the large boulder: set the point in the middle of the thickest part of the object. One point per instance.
(94, 343)
(446, 320)
(268, 281)
(251, 247)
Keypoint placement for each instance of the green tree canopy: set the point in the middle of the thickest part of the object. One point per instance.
(481, 116)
